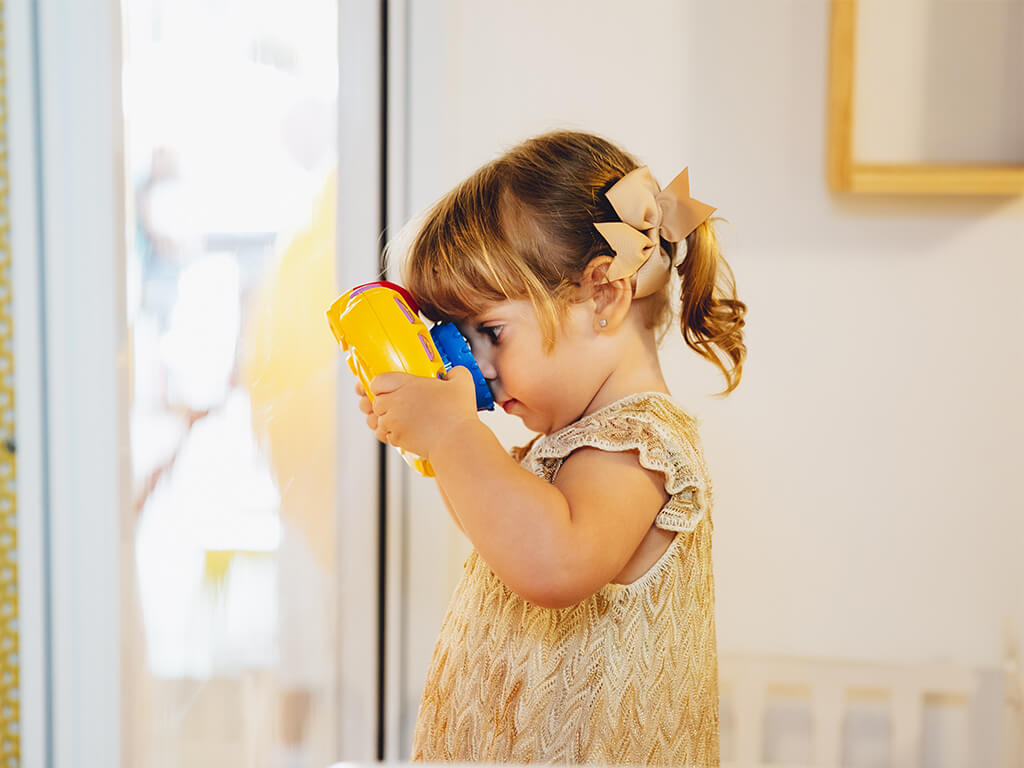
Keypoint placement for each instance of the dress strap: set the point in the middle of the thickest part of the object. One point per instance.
(665, 438)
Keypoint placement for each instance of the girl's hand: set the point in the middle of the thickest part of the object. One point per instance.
(366, 406)
(416, 413)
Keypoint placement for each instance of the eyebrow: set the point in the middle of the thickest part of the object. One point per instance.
(486, 315)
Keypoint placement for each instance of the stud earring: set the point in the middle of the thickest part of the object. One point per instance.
(603, 323)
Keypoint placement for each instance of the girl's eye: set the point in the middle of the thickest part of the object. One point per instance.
(492, 332)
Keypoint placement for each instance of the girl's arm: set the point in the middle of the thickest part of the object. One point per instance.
(371, 421)
(448, 504)
(553, 544)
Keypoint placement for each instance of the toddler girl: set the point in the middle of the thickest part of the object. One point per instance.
(582, 630)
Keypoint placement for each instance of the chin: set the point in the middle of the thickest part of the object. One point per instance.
(546, 428)
(530, 422)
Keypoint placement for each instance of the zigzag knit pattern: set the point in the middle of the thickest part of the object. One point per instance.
(628, 676)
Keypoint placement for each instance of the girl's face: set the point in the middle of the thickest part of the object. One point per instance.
(546, 390)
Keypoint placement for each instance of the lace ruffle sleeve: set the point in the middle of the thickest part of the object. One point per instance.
(665, 439)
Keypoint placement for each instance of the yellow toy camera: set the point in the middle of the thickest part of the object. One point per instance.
(378, 326)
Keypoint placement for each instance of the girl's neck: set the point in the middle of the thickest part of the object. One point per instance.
(636, 368)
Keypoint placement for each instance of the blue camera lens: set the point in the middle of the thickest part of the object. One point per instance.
(455, 351)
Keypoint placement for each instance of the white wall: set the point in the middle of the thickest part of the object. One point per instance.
(866, 469)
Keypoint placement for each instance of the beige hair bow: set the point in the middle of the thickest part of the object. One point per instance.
(648, 214)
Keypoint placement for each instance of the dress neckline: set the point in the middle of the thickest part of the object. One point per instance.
(616, 404)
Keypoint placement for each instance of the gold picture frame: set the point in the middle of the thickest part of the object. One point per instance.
(846, 174)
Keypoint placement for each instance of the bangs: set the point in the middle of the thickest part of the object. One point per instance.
(454, 272)
(464, 257)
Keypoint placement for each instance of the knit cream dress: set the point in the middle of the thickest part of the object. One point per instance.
(629, 676)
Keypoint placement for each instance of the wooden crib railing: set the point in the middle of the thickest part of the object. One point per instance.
(791, 711)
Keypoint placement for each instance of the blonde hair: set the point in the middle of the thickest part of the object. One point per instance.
(521, 227)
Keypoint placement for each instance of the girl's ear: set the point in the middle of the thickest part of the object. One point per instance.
(611, 299)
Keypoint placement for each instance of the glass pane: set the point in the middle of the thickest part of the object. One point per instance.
(230, 616)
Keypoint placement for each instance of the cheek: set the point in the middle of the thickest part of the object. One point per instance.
(518, 373)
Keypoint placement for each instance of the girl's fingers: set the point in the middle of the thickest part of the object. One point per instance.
(364, 402)
(389, 382)
(372, 418)
(380, 404)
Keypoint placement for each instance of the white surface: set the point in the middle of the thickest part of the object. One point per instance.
(357, 234)
(26, 330)
(398, 474)
(866, 468)
(86, 362)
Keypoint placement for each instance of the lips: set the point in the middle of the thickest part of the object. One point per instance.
(507, 405)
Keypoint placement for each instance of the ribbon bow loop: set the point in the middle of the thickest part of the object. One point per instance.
(635, 198)
(649, 213)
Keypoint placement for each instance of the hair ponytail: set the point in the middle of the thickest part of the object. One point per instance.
(711, 317)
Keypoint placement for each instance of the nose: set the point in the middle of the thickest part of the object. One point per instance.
(485, 361)
(490, 373)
